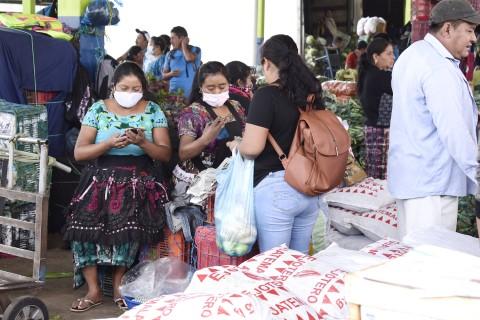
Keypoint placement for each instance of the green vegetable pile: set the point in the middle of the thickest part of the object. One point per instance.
(466, 222)
(350, 111)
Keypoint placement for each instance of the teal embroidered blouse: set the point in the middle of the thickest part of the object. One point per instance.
(108, 124)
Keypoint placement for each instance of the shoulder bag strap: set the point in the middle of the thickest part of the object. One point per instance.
(281, 155)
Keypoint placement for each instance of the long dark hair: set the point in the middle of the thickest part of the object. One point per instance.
(377, 46)
(159, 42)
(237, 70)
(132, 52)
(295, 78)
(166, 39)
(207, 69)
(129, 68)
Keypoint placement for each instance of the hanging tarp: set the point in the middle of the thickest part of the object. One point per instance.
(35, 62)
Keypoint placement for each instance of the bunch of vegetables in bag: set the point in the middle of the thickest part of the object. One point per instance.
(245, 235)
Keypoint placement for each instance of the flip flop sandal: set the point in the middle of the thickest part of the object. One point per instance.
(89, 304)
(121, 304)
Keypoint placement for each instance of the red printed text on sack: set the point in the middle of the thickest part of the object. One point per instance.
(323, 283)
(286, 305)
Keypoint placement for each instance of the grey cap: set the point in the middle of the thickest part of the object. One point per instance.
(453, 10)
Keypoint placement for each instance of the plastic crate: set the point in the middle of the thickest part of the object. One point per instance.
(131, 302)
(16, 237)
(30, 121)
(173, 245)
(208, 254)
(40, 97)
(105, 275)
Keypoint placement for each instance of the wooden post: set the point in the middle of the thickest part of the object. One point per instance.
(42, 181)
(41, 225)
(41, 218)
(11, 150)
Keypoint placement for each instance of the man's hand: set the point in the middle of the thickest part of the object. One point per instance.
(185, 42)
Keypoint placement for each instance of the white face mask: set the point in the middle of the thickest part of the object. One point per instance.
(215, 99)
(150, 49)
(127, 99)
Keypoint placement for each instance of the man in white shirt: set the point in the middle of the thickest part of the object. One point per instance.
(433, 144)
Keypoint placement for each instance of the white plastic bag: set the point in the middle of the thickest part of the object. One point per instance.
(234, 207)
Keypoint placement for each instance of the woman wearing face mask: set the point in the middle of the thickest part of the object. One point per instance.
(118, 204)
(240, 78)
(209, 122)
(375, 92)
(283, 215)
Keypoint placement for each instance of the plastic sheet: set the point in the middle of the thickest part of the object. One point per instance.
(100, 13)
(151, 279)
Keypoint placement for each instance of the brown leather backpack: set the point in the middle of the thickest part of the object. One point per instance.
(318, 155)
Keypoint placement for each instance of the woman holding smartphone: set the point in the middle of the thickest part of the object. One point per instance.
(209, 122)
(118, 204)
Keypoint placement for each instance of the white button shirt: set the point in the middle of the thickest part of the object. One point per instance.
(433, 144)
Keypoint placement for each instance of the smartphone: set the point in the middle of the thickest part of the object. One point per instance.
(134, 130)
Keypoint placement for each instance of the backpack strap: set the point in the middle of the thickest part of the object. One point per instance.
(281, 155)
(310, 101)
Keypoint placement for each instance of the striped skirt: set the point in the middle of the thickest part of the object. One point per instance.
(376, 153)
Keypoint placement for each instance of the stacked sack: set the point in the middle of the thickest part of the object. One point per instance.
(277, 284)
(364, 208)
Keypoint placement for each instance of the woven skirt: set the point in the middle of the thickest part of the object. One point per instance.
(118, 201)
(376, 153)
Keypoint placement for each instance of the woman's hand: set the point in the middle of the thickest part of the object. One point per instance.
(234, 143)
(135, 138)
(117, 141)
(212, 130)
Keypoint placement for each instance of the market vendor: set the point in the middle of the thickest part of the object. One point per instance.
(375, 92)
(209, 122)
(119, 202)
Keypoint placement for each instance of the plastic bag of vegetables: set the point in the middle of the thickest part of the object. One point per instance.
(234, 210)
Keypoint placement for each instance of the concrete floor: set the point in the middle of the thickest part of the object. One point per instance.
(58, 294)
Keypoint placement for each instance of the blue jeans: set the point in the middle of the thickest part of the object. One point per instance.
(283, 215)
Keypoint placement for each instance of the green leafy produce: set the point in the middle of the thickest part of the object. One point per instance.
(352, 112)
(466, 222)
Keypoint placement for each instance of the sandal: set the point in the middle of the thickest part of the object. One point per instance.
(87, 303)
(120, 302)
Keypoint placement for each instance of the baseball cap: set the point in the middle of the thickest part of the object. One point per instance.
(453, 10)
(145, 33)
